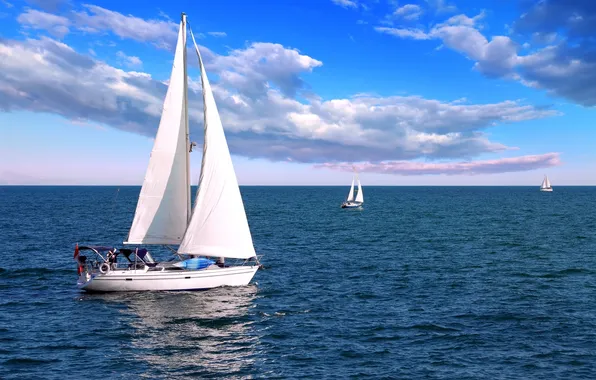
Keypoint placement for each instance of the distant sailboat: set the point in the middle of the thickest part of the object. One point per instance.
(546, 185)
(351, 201)
(217, 226)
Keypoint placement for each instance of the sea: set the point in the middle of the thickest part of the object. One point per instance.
(421, 283)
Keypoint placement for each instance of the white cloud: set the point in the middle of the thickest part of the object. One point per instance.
(497, 57)
(217, 34)
(162, 33)
(129, 61)
(416, 34)
(56, 25)
(345, 3)
(251, 71)
(97, 20)
(464, 20)
(408, 12)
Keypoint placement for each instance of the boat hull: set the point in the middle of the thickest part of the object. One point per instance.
(144, 280)
(546, 190)
(351, 205)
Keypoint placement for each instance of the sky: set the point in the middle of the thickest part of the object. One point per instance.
(426, 92)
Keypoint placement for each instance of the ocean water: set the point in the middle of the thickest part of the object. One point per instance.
(423, 283)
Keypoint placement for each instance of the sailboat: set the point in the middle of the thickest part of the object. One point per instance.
(214, 230)
(351, 201)
(546, 185)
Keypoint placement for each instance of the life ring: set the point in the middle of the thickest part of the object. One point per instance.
(104, 268)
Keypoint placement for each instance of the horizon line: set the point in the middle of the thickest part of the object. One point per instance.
(270, 185)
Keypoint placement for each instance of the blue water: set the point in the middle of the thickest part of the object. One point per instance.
(424, 282)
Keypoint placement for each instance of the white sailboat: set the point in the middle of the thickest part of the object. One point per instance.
(358, 200)
(217, 226)
(545, 186)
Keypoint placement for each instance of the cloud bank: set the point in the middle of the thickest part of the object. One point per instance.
(266, 106)
(502, 165)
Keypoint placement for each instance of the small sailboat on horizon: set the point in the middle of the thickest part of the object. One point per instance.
(354, 201)
(214, 230)
(546, 186)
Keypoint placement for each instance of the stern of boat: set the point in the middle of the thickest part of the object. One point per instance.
(84, 279)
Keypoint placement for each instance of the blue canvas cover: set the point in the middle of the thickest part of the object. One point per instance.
(196, 263)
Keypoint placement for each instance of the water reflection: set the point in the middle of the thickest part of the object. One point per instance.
(191, 333)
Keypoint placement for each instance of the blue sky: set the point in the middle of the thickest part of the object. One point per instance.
(428, 92)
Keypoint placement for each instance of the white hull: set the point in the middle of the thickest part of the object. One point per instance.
(144, 280)
(547, 189)
(351, 205)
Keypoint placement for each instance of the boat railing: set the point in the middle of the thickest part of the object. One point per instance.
(255, 260)
(94, 265)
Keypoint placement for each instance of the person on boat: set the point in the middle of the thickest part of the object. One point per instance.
(112, 259)
(81, 261)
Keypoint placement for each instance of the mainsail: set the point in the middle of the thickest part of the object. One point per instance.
(163, 209)
(545, 183)
(218, 226)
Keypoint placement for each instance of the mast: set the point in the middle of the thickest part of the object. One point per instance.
(187, 129)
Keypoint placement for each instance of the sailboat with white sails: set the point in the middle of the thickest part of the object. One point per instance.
(546, 186)
(354, 201)
(215, 230)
